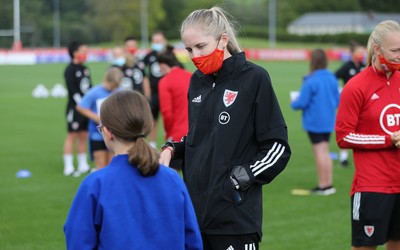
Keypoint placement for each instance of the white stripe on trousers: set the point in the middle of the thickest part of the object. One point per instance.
(251, 246)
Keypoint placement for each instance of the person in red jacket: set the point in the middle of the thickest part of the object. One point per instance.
(173, 89)
(368, 123)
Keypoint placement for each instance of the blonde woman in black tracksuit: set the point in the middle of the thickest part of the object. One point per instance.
(237, 139)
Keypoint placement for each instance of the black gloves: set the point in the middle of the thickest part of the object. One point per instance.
(240, 178)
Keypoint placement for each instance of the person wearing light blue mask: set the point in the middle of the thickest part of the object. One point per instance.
(158, 44)
(158, 47)
(120, 61)
(118, 57)
(134, 74)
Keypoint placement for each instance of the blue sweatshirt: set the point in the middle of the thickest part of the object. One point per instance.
(319, 99)
(92, 100)
(117, 208)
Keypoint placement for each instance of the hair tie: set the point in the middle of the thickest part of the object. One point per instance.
(138, 136)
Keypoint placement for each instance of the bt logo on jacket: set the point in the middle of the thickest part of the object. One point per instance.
(390, 118)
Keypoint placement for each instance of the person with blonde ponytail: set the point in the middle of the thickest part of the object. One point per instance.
(368, 123)
(237, 139)
(133, 203)
(89, 107)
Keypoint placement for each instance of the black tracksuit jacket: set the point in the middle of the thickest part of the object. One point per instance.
(234, 119)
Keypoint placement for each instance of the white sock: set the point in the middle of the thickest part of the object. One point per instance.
(82, 159)
(68, 161)
(153, 144)
(343, 155)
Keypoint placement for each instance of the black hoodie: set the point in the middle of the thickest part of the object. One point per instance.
(234, 119)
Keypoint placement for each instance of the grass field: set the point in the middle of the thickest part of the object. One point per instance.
(33, 210)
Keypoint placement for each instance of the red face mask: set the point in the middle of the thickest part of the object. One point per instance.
(132, 50)
(359, 58)
(210, 63)
(388, 66)
(81, 57)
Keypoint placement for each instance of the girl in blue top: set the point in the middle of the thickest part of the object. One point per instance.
(133, 203)
(319, 99)
(89, 106)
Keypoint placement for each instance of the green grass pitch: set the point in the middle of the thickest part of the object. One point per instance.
(33, 210)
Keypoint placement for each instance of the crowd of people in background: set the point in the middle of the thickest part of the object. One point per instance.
(141, 74)
(224, 129)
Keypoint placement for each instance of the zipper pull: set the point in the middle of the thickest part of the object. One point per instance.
(213, 85)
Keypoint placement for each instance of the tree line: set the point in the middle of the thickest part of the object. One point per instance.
(105, 21)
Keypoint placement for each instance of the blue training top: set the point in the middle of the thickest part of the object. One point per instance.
(118, 208)
(92, 100)
(319, 99)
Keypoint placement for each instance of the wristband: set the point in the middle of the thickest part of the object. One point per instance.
(169, 148)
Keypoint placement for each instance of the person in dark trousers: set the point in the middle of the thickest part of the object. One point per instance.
(158, 44)
(237, 139)
(134, 203)
(344, 73)
(78, 82)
